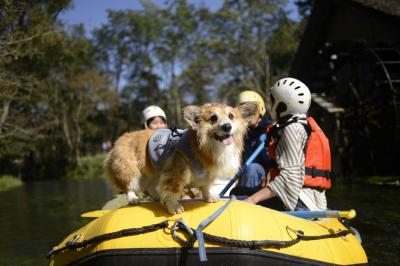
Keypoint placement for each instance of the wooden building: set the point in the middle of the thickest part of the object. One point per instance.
(349, 56)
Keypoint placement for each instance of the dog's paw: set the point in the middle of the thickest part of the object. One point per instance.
(174, 207)
(212, 198)
(132, 198)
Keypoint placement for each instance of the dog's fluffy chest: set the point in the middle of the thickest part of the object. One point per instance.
(228, 163)
(225, 166)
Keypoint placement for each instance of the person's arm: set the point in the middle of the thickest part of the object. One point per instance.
(263, 194)
(291, 158)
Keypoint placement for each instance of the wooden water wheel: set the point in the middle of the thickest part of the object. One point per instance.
(364, 78)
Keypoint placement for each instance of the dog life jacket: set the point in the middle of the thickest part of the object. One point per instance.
(164, 141)
(317, 154)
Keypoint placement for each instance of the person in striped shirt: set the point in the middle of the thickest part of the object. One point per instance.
(290, 101)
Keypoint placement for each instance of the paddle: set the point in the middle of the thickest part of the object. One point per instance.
(323, 214)
(94, 214)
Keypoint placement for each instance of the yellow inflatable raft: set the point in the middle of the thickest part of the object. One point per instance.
(241, 234)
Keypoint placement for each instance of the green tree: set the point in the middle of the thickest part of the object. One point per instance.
(283, 44)
(125, 49)
(237, 42)
(50, 86)
(78, 91)
(27, 31)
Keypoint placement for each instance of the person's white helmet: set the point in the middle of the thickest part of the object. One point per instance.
(289, 96)
(152, 111)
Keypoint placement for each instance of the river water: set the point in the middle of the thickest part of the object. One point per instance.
(38, 215)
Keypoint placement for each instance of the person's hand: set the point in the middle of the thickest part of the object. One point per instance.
(250, 200)
(262, 194)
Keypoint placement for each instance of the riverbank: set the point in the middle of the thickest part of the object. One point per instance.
(383, 180)
(91, 168)
(8, 182)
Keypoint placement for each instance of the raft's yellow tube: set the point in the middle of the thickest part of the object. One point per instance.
(241, 221)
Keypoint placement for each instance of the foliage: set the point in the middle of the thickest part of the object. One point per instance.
(26, 31)
(383, 180)
(91, 168)
(8, 182)
(283, 44)
(50, 87)
(184, 53)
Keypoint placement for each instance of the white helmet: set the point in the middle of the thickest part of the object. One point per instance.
(152, 111)
(289, 96)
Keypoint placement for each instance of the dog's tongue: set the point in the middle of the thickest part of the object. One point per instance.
(227, 141)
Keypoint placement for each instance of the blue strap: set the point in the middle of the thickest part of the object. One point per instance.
(203, 224)
(253, 156)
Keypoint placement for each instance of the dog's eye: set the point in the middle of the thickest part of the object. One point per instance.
(231, 116)
(213, 119)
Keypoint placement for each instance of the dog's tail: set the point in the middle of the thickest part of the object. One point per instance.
(109, 173)
(121, 167)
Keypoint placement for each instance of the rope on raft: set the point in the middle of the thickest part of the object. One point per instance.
(73, 244)
(181, 225)
(253, 244)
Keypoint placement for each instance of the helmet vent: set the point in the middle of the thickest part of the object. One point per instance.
(298, 87)
(301, 94)
(291, 83)
(284, 82)
(301, 102)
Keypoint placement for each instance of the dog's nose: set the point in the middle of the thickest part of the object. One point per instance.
(226, 127)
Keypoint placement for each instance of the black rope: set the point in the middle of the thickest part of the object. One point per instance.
(70, 245)
(252, 244)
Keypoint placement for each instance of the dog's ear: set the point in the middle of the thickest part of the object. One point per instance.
(191, 114)
(248, 110)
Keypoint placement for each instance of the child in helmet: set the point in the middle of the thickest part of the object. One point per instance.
(154, 117)
(299, 169)
(252, 176)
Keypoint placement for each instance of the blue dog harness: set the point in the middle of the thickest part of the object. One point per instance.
(164, 141)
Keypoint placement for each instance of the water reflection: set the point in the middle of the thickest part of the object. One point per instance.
(39, 215)
(378, 218)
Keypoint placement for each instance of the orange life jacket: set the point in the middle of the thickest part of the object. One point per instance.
(317, 155)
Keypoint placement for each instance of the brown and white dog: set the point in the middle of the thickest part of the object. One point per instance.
(215, 138)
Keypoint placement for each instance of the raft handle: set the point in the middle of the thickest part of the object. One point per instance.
(73, 241)
(176, 226)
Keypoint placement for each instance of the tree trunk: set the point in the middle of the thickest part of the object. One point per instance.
(176, 95)
(268, 79)
(4, 115)
(72, 154)
(77, 157)
(66, 127)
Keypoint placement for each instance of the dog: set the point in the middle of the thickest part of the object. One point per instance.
(139, 164)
